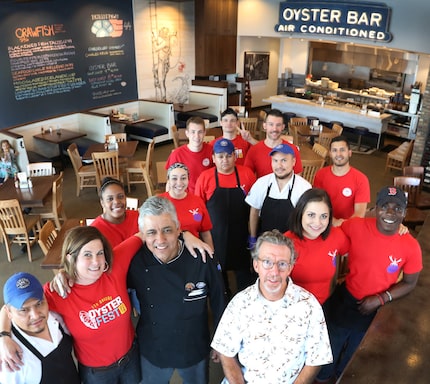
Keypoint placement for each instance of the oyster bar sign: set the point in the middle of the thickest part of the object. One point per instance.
(362, 20)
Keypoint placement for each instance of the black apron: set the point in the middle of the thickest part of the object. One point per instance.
(229, 214)
(58, 366)
(275, 213)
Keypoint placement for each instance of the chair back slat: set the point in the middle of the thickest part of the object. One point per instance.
(106, 165)
(40, 169)
(310, 168)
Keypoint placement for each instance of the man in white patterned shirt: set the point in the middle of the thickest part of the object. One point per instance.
(273, 331)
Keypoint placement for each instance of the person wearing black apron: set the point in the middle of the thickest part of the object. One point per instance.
(229, 214)
(27, 312)
(268, 213)
(58, 366)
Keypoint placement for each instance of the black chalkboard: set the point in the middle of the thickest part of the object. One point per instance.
(60, 57)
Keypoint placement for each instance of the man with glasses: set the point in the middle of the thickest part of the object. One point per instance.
(274, 331)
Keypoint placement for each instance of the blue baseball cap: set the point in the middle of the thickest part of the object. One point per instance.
(20, 287)
(224, 146)
(283, 148)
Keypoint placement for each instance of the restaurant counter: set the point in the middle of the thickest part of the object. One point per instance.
(350, 117)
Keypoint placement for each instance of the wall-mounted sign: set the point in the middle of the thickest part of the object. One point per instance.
(357, 20)
(62, 57)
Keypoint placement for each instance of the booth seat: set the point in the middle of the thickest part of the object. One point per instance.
(158, 128)
(214, 103)
(146, 130)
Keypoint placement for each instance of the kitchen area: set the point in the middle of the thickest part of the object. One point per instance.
(365, 81)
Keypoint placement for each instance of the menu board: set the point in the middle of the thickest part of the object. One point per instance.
(61, 57)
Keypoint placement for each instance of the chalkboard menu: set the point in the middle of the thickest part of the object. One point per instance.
(59, 57)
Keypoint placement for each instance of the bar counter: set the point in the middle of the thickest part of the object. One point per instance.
(350, 117)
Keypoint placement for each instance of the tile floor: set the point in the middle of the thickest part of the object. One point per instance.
(87, 205)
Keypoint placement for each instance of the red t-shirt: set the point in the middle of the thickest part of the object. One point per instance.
(315, 265)
(375, 260)
(260, 162)
(192, 213)
(98, 315)
(117, 233)
(241, 147)
(197, 162)
(206, 184)
(344, 191)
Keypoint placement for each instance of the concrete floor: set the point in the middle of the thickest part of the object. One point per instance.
(87, 205)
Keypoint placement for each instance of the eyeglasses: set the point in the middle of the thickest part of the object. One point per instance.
(268, 264)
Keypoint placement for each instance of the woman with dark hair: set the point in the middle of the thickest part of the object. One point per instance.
(318, 244)
(191, 209)
(116, 222)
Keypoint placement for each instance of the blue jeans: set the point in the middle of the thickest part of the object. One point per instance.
(125, 371)
(196, 374)
(343, 343)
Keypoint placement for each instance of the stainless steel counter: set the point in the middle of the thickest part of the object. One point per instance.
(351, 117)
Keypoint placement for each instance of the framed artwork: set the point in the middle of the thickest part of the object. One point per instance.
(256, 65)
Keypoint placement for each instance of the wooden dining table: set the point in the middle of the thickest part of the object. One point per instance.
(29, 197)
(58, 137)
(311, 131)
(180, 107)
(52, 259)
(125, 149)
(129, 120)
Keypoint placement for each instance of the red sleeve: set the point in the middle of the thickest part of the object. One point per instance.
(125, 251)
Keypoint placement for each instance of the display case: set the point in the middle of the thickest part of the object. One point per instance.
(402, 124)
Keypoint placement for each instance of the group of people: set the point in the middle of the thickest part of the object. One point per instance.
(245, 202)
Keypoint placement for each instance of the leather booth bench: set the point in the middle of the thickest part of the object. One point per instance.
(145, 130)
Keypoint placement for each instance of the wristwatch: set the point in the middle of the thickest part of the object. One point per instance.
(4, 333)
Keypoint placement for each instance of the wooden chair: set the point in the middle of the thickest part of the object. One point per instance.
(47, 236)
(208, 139)
(321, 150)
(297, 139)
(399, 158)
(40, 169)
(106, 164)
(134, 170)
(423, 199)
(175, 136)
(150, 189)
(251, 125)
(310, 168)
(132, 203)
(54, 208)
(411, 186)
(337, 128)
(161, 174)
(120, 137)
(325, 138)
(261, 118)
(85, 174)
(298, 121)
(18, 228)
